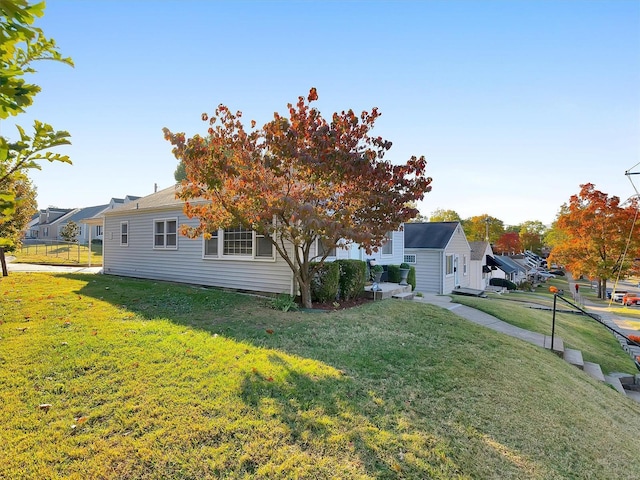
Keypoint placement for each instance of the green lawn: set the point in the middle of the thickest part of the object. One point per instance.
(154, 380)
(532, 311)
(63, 254)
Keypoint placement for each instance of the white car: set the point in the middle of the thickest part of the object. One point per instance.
(617, 296)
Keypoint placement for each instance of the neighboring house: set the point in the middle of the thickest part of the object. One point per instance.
(441, 255)
(49, 222)
(142, 239)
(480, 270)
(80, 216)
(31, 230)
(510, 269)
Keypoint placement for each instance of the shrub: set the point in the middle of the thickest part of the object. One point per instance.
(393, 273)
(405, 266)
(353, 276)
(526, 286)
(411, 278)
(503, 282)
(325, 282)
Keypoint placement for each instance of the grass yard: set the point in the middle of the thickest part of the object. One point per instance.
(578, 331)
(111, 378)
(63, 254)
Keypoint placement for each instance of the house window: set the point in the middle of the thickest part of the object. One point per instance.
(124, 234)
(449, 265)
(410, 258)
(98, 230)
(464, 264)
(264, 247)
(323, 248)
(45, 232)
(165, 234)
(238, 242)
(387, 247)
(211, 245)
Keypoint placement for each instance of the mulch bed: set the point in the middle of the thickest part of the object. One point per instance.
(342, 304)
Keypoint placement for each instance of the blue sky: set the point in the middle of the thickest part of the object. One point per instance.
(514, 103)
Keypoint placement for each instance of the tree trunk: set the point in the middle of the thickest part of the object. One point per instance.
(602, 287)
(3, 262)
(305, 294)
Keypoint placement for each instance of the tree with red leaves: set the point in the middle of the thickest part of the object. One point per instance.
(508, 243)
(592, 236)
(298, 180)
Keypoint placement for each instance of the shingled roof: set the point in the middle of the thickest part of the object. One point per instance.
(435, 235)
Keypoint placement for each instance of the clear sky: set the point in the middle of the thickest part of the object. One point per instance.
(514, 103)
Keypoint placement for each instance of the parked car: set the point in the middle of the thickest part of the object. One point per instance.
(557, 272)
(618, 295)
(631, 299)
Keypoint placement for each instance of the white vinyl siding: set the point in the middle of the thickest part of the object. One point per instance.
(165, 233)
(187, 265)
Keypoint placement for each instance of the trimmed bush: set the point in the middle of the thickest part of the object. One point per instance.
(503, 282)
(393, 273)
(353, 276)
(411, 278)
(324, 284)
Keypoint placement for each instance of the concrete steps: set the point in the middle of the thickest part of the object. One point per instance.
(594, 370)
(574, 357)
(403, 296)
(386, 290)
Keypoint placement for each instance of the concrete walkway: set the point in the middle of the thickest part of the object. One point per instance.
(29, 267)
(489, 321)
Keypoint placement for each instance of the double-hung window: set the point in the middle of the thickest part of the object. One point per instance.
(449, 265)
(387, 247)
(124, 234)
(165, 234)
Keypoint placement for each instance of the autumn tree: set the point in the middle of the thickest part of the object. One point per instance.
(441, 215)
(532, 233)
(476, 228)
(592, 236)
(508, 243)
(22, 44)
(12, 230)
(298, 180)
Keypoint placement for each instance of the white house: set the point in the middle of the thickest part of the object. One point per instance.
(142, 239)
(441, 255)
(480, 270)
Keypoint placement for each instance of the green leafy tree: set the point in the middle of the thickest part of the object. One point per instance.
(181, 173)
(22, 44)
(532, 233)
(476, 228)
(12, 230)
(70, 232)
(440, 215)
(298, 180)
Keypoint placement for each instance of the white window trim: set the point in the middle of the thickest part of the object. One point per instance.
(238, 258)
(319, 256)
(446, 257)
(126, 222)
(153, 238)
(389, 235)
(410, 258)
(465, 269)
